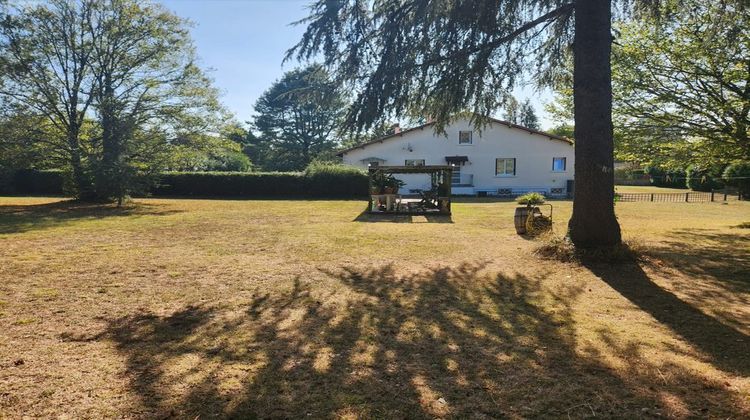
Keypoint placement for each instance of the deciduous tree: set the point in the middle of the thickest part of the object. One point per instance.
(682, 87)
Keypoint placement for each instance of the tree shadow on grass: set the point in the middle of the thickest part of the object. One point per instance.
(24, 218)
(724, 346)
(724, 257)
(443, 342)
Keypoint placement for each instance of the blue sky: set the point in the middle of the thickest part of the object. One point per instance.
(244, 42)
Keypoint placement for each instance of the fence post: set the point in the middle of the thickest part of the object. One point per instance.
(712, 196)
(725, 194)
(686, 197)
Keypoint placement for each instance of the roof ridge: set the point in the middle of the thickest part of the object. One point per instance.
(422, 126)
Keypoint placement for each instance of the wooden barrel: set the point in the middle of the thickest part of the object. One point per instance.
(522, 213)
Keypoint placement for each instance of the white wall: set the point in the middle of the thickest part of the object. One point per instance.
(533, 154)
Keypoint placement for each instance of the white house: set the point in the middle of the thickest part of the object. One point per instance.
(502, 159)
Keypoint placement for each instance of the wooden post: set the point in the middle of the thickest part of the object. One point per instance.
(687, 195)
(725, 194)
(652, 197)
(712, 196)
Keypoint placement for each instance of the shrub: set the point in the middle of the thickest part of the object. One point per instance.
(34, 182)
(230, 184)
(319, 180)
(671, 178)
(333, 180)
(704, 179)
(738, 175)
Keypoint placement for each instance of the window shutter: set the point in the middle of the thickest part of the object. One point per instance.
(514, 166)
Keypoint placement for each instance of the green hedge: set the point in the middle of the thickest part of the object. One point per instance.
(316, 183)
(32, 182)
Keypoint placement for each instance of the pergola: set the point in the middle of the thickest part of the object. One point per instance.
(436, 200)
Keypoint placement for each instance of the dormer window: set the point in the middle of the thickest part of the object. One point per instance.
(464, 137)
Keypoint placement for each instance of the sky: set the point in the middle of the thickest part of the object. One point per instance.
(243, 43)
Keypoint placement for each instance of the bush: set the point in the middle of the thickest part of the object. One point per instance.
(704, 179)
(332, 180)
(671, 178)
(229, 184)
(320, 180)
(738, 175)
(34, 182)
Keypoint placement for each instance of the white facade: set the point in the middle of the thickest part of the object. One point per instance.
(503, 159)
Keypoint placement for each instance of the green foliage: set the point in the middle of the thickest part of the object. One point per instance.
(680, 86)
(230, 184)
(109, 85)
(424, 57)
(671, 178)
(32, 182)
(531, 199)
(704, 179)
(527, 116)
(738, 175)
(381, 182)
(331, 180)
(563, 130)
(297, 119)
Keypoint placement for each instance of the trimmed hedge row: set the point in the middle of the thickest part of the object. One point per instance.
(314, 183)
(32, 182)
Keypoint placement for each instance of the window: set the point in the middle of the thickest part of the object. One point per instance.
(414, 162)
(505, 167)
(559, 164)
(464, 137)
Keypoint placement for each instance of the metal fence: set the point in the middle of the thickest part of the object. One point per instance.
(688, 197)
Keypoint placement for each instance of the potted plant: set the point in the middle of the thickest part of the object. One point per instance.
(379, 182)
(528, 218)
(392, 185)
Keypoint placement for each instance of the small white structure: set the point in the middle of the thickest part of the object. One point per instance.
(502, 159)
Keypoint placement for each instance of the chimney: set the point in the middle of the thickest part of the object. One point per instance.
(396, 128)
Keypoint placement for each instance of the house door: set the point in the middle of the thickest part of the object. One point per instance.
(456, 178)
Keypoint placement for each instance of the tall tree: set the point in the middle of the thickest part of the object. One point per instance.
(527, 116)
(511, 112)
(122, 70)
(298, 118)
(144, 71)
(445, 57)
(45, 57)
(682, 88)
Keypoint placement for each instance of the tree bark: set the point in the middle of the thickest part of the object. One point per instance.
(79, 177)
(593, 223)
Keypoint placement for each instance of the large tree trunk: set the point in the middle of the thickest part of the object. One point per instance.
(593, 223)
(83, 188)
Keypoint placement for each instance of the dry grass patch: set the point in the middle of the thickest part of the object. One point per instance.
(210, 308)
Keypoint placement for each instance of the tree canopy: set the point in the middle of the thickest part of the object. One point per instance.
(298, 119)
(682, 87)
(112, 83)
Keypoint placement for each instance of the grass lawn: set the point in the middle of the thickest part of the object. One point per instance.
(308, 309)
